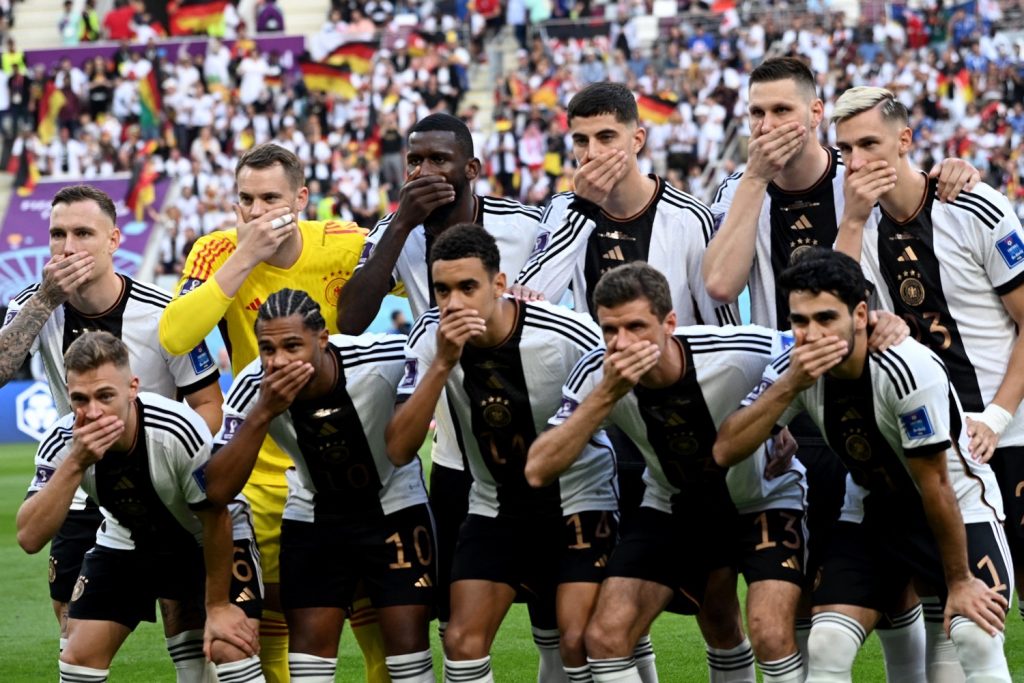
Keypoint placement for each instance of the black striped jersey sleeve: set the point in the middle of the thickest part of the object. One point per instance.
(772, 372)
(564, 230)
(184, 442)
(916, 389)
(420, 348)
(996, 233)
(52, 451)
(238, 403)
(372, 239)
(585, 376)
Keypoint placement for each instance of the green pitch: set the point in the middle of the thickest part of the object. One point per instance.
(28, 630)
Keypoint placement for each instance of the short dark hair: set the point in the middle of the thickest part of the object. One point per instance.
(820, 269)
(605, 97)
(447, 123)
(782, 68)
(73, 194)
(285, 303)
(269, 154)
(467, 240)
(632, 281)
(93, 350)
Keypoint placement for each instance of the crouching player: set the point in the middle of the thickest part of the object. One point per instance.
(142, 457)
(350, 515)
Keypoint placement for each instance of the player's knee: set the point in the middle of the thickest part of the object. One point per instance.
(605, 641)
(771, 638)
(833, 645)
(572, 644)
(975, 648)
(461, 644)
(222, 652)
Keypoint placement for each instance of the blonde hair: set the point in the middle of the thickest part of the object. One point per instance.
(864, 98)
(93, 350)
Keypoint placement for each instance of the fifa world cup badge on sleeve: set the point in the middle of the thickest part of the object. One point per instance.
(411, 372)
(917, 424)
(1011, 248)
(201, 358)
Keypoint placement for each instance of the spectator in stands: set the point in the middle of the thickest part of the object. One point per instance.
(11, 58)
(117, 24)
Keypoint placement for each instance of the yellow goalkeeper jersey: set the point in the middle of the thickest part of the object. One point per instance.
(330, 251)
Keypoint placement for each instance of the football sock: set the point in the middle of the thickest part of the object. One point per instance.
(734, 665)
(468, 671)
(243, 671)
(365, 628)
(786, 670)
(981, 655)
(834, 642)
(578, 674)
(72, 673)
(186, 651)
(643, 655)
(274, 646)
(305, 668)
(803, 633)
(941, 662)
(416, 667)
(902, 637)
(551, 669)
(617, 670)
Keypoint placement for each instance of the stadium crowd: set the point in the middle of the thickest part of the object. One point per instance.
(856, 445)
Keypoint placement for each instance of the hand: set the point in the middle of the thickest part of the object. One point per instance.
(420, 195)
(888, 330)
(983, 440)
(768, 153)
(280, 387)
(623, 369)
(261, 237)
(809, 361)
(524, 293)
(455, 330)
(596, 177)
(228, 623)
(89, 442)
(62, 275)
(780, 456)
(863, 188)
(955, 175)
(972, 599)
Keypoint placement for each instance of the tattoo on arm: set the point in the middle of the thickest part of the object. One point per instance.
(16, 339)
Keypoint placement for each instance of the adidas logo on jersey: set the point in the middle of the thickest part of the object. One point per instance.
(424, 582)
(907, 255)
(246, 595)
(614, 254)
(124, 484)
(801, 223)
(792, 563)
(601, 562)
(851, 414)
(254, 305)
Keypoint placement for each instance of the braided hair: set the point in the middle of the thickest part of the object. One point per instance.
(285, 303)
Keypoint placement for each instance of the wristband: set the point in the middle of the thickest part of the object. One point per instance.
(995, 417)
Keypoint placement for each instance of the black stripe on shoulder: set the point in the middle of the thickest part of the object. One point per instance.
(721, 188)
(501, 205)
(899, 382)
(981, 215)
(699, 210)
(584, 366)
(561, 240)
(393, 357)
(380, 344)
(151, 290)
(781, 364)
(978, 197)
(148, 300)
(578, 328)
(902, 363)
(181, 422)
(54, 443)
(431, 317)
(382, 225)
(242, 392)
(24, 295)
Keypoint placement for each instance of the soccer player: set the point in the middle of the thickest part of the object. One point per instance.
(142, 458)
(668, 388)
(894, 419)
(618, 215)
(502, 363)
(227, 277)
(351, 515)
(790, 198)
(953, 269)
(80, 291)
(437, 195)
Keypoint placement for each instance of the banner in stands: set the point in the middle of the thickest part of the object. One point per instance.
(24, 234)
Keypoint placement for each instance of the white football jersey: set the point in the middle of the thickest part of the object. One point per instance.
(675, 427)
(500, 400)
(337, 441)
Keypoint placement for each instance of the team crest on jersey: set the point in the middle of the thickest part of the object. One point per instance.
(1011, 248)
(201, 358)
(917, 424)
(189, 285)
(332, 291)
(541, 243)
(199, 475)
(9, 317)
(230, 427)
(496, 411)
(800, 246)
(79, 588)
(684, 445)
(567, 408)
(911, 290)
(43, 475)
(858, 447)
(410, 374)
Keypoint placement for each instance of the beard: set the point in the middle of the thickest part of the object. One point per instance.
(440, 218)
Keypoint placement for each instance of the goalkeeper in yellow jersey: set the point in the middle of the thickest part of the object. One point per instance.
(228, 275)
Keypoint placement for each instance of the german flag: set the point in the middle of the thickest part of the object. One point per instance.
(654, 109)
(150, 100)
(327, 78)
(546, 95)
(49, 108)
(196, 16)
(357, 55)
(142, 190)
(516, 89)
(25, 171)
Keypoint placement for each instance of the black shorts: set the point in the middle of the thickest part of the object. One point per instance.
(449, 501)
(772, 546)
(629, 469)
(67, 549)
(246, 578)
(1008, 465)
(674, 550)
(534, 556)
(826, 487)
(394, 558)
(871, 567)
